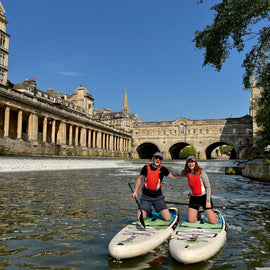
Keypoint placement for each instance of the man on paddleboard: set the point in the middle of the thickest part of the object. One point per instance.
(152, 195)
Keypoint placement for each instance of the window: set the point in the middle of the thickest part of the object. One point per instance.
(164, 132)
(2, 40)
(200, 131)
(2, 76)
(194, 131)
(2, 58)
(207, 131)
(182, 129)
(220, 130)
(234, 130)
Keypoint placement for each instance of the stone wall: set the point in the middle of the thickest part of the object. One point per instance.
(258, 171)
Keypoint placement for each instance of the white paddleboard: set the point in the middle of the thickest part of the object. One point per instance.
(134, 240)
(199, 241)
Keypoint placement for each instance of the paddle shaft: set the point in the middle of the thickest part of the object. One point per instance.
(216, 206)
(141, 217)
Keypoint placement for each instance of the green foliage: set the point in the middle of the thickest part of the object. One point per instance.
(263, 112)
(225, 150)
(239, 24)
(233, 25)
(186, 151)
(267, 161)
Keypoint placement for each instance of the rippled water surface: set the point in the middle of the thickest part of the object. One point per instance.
(65, 219)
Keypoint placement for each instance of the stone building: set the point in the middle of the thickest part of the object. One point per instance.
(122, 119)
(4, 47)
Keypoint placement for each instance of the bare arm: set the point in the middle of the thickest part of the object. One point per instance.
(176, 176)
(137, 185)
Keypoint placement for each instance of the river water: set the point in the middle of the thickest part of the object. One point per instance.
(62, 213)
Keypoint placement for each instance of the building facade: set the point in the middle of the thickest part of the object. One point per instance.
(4, 47)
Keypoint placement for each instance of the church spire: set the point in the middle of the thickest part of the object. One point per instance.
(125, 106)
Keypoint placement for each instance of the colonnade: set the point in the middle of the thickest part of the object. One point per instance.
(44, 128)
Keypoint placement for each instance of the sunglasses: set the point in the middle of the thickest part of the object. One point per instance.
(157, 157)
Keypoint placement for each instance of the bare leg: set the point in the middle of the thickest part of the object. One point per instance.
(192, 215)
(211, 216)
(139, 214)
(165, 214)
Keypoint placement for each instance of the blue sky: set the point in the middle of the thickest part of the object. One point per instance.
(109, 45)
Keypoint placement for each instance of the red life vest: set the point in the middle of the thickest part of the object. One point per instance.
(152, 181)
(196, 185)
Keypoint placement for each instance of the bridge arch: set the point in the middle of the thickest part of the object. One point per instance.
(213, 146)
(146, 150)
(175, 149)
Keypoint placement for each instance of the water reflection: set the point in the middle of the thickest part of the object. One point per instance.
(65, 219)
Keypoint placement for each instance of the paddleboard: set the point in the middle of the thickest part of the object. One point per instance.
(134, 240)
(199, 241)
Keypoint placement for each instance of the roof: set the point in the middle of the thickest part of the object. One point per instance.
(81, 88)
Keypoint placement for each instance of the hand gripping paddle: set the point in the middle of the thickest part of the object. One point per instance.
(141, 215)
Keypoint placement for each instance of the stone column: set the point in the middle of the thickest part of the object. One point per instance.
(115, 143)
(53, 131)
(107, 142)
(33, 127)
(121, 144)
(94, 139)
(44, 134)
(70, 135)
(76, 135)
(83, 137)
(62, 134)
(99, 139)
(19, 125)
(103, 140)
(6, 122)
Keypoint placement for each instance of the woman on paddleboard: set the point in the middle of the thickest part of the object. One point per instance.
(151, 191)
(200, 191)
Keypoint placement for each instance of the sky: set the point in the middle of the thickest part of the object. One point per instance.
(144, 46)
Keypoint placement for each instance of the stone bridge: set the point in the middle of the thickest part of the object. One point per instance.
(205, 136)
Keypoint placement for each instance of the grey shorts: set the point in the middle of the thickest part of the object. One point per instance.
(158, 203)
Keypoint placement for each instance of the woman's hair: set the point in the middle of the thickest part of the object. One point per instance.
(197, 168)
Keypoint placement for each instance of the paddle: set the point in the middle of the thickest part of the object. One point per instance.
(141, 215)
(215, 206)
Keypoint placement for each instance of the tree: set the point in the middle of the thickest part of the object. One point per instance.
(225, 150)
(236, 24)
(187, 151)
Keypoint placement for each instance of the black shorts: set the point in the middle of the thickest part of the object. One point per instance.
(196, 201)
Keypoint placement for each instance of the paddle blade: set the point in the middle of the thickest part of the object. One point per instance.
(142, 220)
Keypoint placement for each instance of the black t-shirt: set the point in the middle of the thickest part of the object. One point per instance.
(163, 172)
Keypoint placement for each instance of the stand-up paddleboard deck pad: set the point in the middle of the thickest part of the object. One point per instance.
(134, 240)
(199, 241)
